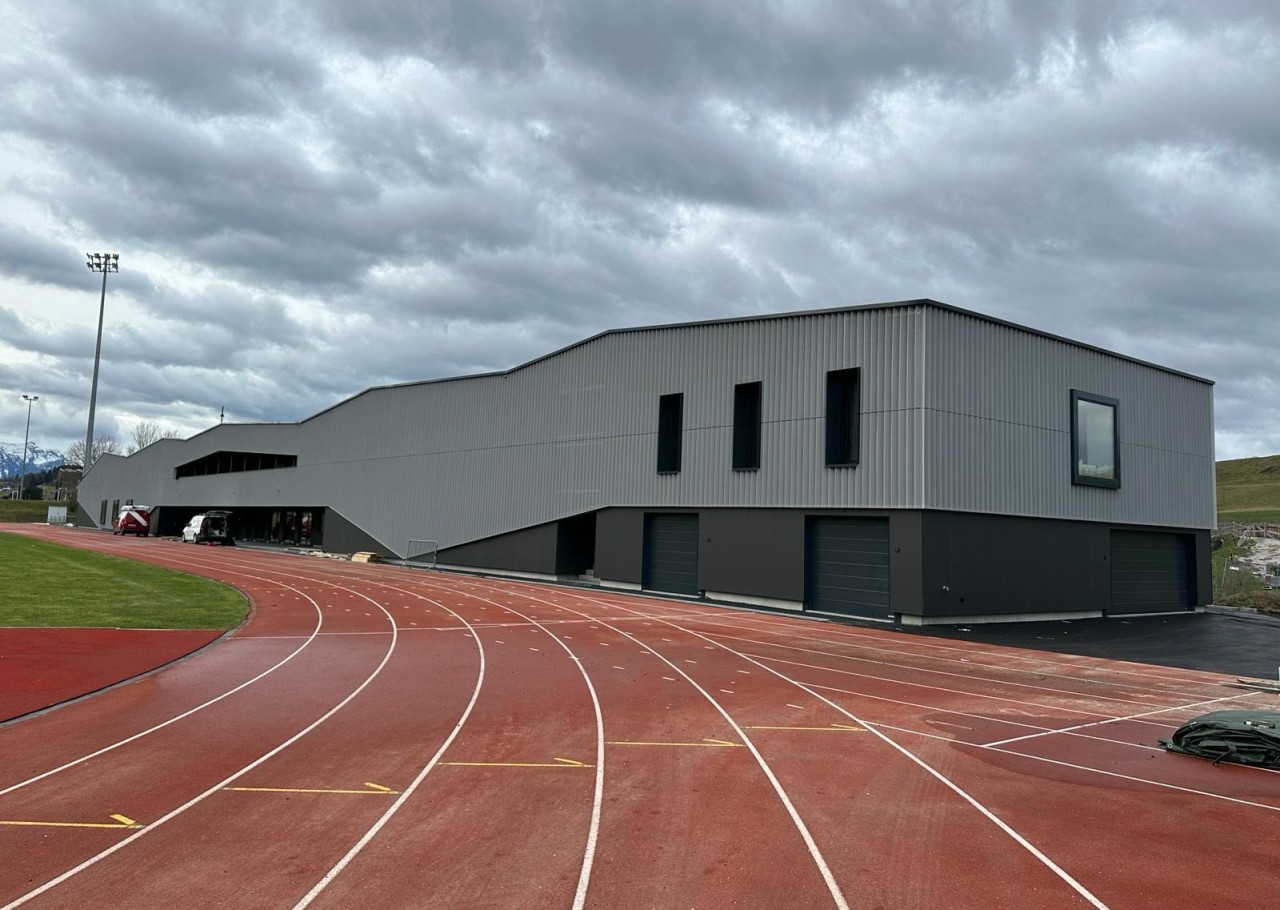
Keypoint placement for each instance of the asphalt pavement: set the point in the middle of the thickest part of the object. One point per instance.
(1238, 644)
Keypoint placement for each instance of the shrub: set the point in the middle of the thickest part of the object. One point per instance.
(1262, 601)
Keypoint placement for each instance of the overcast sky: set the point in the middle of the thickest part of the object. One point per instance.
(312, 198)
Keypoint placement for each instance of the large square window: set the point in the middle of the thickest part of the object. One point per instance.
(1095, 448)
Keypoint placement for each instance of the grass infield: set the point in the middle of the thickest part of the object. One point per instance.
(46, 584)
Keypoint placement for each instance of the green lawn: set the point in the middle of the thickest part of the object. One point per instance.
(45, 584)
(1250, 516)
(1249, 490)
(31, 510)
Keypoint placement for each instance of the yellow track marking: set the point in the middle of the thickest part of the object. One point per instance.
(830, 728)
(557, 763)
(120, 821)
(705, 742)
(377, 789)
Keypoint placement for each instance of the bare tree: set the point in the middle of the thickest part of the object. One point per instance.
(103, 445)
(147, 432)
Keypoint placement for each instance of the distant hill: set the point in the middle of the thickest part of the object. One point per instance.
(1249, 490)
(37, 460)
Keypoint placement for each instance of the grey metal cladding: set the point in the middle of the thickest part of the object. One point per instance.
(957, 412)
(460, 460)
(1000, 395)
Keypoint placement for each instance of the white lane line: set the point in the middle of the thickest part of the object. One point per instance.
(1065, 876)
(1113, 720)
(597, 799)
(174, 813)
(185, 714)
(1065, 764)
(875, 641)
(1031, 848)
(408, 792)
(954, 713)
(902, 682)
(913, 669)
(814, 851)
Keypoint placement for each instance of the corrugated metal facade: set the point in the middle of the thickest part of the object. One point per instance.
(998, 430)
(958, 412)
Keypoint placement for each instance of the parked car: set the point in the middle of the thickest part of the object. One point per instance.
(133, 519)
(209, 527)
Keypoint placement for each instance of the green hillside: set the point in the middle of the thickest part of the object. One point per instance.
(1249, 490)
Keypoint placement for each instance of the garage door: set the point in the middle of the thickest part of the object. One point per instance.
(847, 566)
(671, 553)
(1151, 572)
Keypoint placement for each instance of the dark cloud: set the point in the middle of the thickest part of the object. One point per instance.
(190, 57)
(313, 199)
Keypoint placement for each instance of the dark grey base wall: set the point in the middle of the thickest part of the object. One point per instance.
(751, 552)
(941, 564)
(992, 565)
(527, 550)
(341, 536)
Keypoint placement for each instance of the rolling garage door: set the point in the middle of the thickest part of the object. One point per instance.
(847, 566)
(671, 553)
(1150, 572)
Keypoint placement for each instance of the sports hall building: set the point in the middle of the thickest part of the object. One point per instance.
(905, 461)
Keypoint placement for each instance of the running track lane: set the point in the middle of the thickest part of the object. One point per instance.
(42, 667)
(889, 829)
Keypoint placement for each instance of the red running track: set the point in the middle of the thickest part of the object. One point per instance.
(44, 667)
(376, 736)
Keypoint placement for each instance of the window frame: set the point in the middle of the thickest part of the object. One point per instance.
(1087, 480)
(670, 432)
(843, 418)
(748, 409)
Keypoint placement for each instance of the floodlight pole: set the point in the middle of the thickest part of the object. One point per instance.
(104, 263)
(22, 480)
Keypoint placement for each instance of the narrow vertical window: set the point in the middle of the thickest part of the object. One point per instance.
(746, 426)
(843, 414)
(102, 515)
(670, 426)
(1095, 448)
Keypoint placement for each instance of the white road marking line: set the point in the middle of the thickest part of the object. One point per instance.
(810, 843)
(1113, 720)
(120, 845)
(173, 720)
(929, 769)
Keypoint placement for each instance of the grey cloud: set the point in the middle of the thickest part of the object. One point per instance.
(501, 38)
(186, 56)
(37, 259)
(312, 200)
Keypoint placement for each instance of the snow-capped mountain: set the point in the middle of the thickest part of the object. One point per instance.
(38, 459)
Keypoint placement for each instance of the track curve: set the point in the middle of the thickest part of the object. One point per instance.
(382, 736)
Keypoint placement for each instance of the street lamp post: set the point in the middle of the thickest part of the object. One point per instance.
(104, 263)
(22, 480)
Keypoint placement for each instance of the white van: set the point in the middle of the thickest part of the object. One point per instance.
(209, 527)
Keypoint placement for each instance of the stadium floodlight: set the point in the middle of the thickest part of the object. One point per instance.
(104, 263)
(26, 440)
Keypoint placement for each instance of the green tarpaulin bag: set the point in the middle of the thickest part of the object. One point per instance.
(1243, 737)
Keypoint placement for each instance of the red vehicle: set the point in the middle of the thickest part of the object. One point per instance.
(133, 520)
